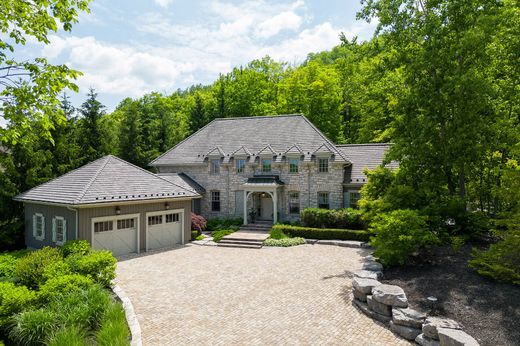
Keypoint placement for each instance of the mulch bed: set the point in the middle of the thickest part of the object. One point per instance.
(489, 311)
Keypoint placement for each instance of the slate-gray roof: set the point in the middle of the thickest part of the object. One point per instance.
(365, 156)
(108, 179)
(280, 132)
(184, 180)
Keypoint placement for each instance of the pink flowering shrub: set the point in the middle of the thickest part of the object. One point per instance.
(198, 223)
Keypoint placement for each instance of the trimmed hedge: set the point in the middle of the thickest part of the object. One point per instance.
(323, 233)
(333, 218)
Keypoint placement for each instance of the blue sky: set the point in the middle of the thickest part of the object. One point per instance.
(161, 45)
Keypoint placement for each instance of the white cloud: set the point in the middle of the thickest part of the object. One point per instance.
(163, 3)
(272, 26)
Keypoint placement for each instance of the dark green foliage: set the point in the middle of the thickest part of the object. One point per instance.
(90, 138)
(114, 330)
(33, 327)
(71, 336)
(219, 224)
(63, 284)
(218, 235)
(277, 233)
(502, 261)
(97, 265)
(330, 218)
(322, 233)
(8, 262)
(13, 299)
(399, 233)
(73, 247)
(30, 269)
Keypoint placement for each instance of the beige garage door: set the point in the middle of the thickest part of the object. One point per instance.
(164, 229)
(117, 234)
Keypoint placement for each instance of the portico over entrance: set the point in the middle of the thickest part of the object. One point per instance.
(262, 191)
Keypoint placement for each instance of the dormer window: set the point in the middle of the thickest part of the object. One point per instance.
(215, 166)
(241, 165)
(266, 165)
(293, 165)
(323, 165)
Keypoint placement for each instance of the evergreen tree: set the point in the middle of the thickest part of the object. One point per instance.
(90, 134)
(197, 114)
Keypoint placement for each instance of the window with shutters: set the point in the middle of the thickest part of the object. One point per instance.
(59, 230)
(39, 226)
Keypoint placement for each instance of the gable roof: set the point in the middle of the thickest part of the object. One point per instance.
(281, 132)
(242, 151)
(184, 180)
(108, 179)
(294, 150)
(365, 156)
(266, 151)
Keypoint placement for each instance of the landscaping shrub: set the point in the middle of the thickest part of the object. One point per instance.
(114, 330)
(220, 224)
(501, 261)
(194, 235)
(33, 327)
(73, 247)
(100, 266)
(54, 270)
(284, 242)
(13, 299)
(70, 336)
(218, 235)
(322, 233)
(29, 269)
(198, 223)
(277, 233)
(328, 218)
(7, 266)
(63, 284)
(399, 233)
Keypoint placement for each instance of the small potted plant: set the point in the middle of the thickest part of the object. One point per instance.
(252, 215)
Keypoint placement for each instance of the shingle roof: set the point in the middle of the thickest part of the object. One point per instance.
(184, 180)
(281, 132)
(108, 179)
(365, 156)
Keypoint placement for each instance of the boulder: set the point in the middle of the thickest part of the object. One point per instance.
(390, 295)
(432, 324)
(408, 317)
(359, 295)
(364, 308)
(379, 307)
(455, 337)
(423, 340)
(364, 285)
(407, 333)
(368, 274)
(373, 266)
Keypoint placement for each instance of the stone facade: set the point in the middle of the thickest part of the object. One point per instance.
(307, 182)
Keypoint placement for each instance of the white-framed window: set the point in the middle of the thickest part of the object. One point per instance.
(241, 165)
(215, 200)
(293, 165)
(154, 220)
(126, 223)
(39, 226)
(214, 166)
(266, 165)
(103, 226)
(174, 217)
(354, 198)
(294, 202)
(323, 200)
(323, 165)
(59, 230)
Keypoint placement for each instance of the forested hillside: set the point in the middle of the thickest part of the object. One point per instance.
(440, 80)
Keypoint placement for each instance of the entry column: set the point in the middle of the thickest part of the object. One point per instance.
(275, 206)
(245, 207)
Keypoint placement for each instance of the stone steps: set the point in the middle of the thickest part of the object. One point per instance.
(250, 236)
(240, 244)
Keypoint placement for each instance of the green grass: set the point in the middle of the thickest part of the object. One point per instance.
(218, 235)
(72, 336)
(114, 330)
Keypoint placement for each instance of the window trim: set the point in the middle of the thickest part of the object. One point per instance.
(290, 202)
(320, 166)
(215, 201)
(270, 164)
(42, 237)
(297, 165)
(211, 166)
(242, 169)
(55, 230)
(350, 192)
(323, 193)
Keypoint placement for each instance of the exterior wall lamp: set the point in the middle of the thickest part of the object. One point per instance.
(167, 205)
(118, 210)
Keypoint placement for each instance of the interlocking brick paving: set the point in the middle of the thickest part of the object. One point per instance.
(201, 295)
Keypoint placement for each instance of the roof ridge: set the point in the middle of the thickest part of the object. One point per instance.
(261, 116)
(94, 177)
(326, 139)
(152, 174)
(363, 144)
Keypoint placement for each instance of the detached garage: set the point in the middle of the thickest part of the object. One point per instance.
(112, 204)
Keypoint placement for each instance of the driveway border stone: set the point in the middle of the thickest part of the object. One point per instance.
(131, 317)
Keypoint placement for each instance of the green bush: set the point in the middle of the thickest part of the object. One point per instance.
(7, 265)
(220, 224)
(13, 299)
(63, 284)
(501, 261)
(69, 336)
(73, 247)
(328, 218)
(55, 269)
(100, 266)
(285, 242)
(218, 235)
(277, 233)
(322, 233)
(399, 233)
(29, 269)
(114, 329)
(194, 235)
(33, 327)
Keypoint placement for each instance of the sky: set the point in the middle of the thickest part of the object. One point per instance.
(129, 48)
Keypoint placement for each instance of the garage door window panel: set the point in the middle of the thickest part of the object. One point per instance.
(172, 218)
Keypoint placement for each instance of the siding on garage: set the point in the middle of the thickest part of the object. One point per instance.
(86, 215)
(49, 212)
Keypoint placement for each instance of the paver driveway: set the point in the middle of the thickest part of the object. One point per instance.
(203, 295)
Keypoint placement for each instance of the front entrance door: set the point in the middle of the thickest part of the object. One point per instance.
(266, 208)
